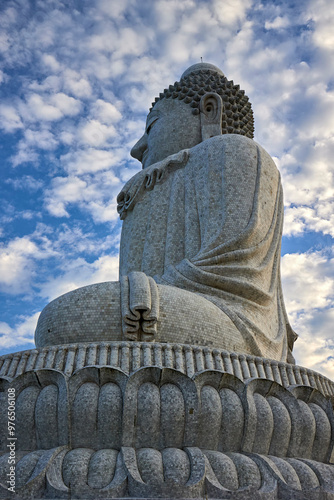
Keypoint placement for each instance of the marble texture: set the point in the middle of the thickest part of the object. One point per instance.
(213, 227)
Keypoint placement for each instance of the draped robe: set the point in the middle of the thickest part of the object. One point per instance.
(208, 220)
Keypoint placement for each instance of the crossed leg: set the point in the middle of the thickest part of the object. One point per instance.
(96, 313)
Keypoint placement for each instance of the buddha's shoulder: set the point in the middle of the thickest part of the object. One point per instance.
(227, 141)
(234, 144)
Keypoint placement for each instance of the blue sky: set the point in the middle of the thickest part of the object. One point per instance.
(76, 81)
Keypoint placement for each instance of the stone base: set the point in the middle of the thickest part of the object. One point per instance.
(130, 420)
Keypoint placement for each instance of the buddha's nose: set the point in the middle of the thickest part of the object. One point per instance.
(139, 148)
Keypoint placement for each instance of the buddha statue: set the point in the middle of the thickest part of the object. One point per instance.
(201, 236)
(159, 385)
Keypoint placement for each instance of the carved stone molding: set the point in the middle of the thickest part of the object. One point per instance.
(62, 473)
(162, 408)
(188, 359)
(158, 433)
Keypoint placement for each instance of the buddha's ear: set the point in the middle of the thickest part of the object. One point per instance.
(211, 109)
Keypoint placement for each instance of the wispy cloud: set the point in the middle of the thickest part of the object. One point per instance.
(17, 265)
(79, 273)
(308, 284)
(21, 334)
(10, 119)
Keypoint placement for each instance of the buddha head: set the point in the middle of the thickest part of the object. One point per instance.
(201, 105)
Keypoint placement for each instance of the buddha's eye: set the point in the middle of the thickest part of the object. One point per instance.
(150, 125)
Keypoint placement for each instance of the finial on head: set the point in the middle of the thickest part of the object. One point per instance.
(202, 66)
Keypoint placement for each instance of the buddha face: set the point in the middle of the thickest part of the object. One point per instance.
(170, 127)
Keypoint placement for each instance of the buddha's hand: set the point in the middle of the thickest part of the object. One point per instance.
(140, 306)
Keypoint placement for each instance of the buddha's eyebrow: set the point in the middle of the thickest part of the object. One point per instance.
(152, 115)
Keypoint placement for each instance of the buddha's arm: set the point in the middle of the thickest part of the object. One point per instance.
(236, 197)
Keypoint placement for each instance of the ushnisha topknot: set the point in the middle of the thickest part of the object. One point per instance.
(203, 78)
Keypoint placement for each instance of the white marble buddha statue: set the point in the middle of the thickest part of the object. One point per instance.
(201, 237)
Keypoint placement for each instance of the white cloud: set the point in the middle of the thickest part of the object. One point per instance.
(75, 84)
(124, 41)
(51, 62)
(41, 139)
(307, 280)
(308, 187)
(10, 120)
(102, 68)
(140, 100)
(90, 160)
(41, 110)
(28, 214)
(67, 137)
(81, 273)
(4, 42)
(178, 48)
(323, 35)
(102, 42)
(278, 23)
(9, 16)
(240, 44)
(22, 257)
(320, 218)
(168, 13)
(323, 16)
(315, 346)
(309, 296)
(64, 190)
(94, 133)
(112, 8)
(67, 105)
(51, 108)
(118, 67)
(24, 155)
(51, 83)
(231, 12)
(106, 112)
(17, 265)
(103, 212)
(21, 334)
(71, 240)
(93, 194)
